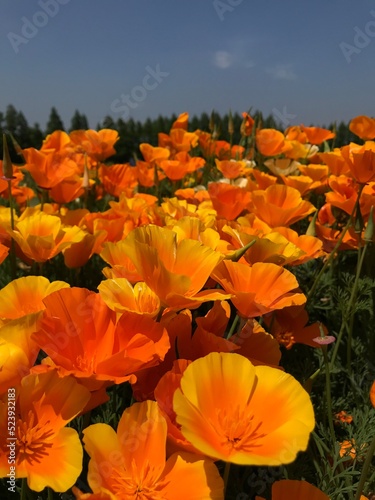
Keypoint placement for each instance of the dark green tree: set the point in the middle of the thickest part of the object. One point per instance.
(78, 122)
(36, 136)
(54, 122)
(108, 122)
(22, 133)
(11, 119)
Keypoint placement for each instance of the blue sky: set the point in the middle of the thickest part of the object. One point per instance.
(303, 61)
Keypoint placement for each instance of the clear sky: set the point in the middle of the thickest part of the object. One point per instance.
(305, 61)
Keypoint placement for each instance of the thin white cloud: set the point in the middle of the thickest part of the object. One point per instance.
(223, 59)
(282, 72)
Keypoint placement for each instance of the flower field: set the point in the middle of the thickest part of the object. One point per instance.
(196, 324)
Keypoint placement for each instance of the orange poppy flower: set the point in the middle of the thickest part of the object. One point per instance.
(179, 140)
(317, 172)
(343, 417)
(121, 296)
(280, 205)
(80, 334)
(336, 163)
(270, 142)
(115, 254)
(153, 154)
(178, 326)
(118, 178)
(50, 169)
(181, 165)
(48, 454)
(67, 190)
(133, 460)
(182, 121)
(175, 271)
(257, 345)
(311, 246)
(42, 236)
(363, 126)
(344, 193)
(247, 125)
(295, 133)
(271, 247)
(115, 225)
(285, 166)
(98, 145)
(14, 364)
(228, 200)
(24, 296)
(259, 289)
(302, 183)
(347, 449)
(231, 169)
(361, 163)
(78, 254)
(146, 173)
(163, 394)
(330, 236)
(317, 135)
(289, 327)
(56, 142)
(234, 411)
(295, 490)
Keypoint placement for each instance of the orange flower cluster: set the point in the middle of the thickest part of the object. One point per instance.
(196, 305)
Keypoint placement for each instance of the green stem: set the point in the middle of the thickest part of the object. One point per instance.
(50, 494)
(12, 243)
(226, 476)
(366, 466)
(24, 489)
(233, 326)
(330, 258)
(351, 311)
(338, 244)
(328, 395)
(330, 413)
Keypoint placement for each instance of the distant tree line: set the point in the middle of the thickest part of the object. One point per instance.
(132, 133)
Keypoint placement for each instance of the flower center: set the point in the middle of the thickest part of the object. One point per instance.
(32, 439)
(238, 429)
(138, 484)
(84, 364)
(286, 339)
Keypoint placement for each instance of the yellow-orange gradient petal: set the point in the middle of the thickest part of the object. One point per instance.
(133, 460)
(24, 296)
(120, 296)
(258, 289)
(280, 205)
(61, 466)
(233, 411)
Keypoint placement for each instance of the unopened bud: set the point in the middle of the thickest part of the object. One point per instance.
(7, 162)
(230, 124)
(235, 256)
(311, 229)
